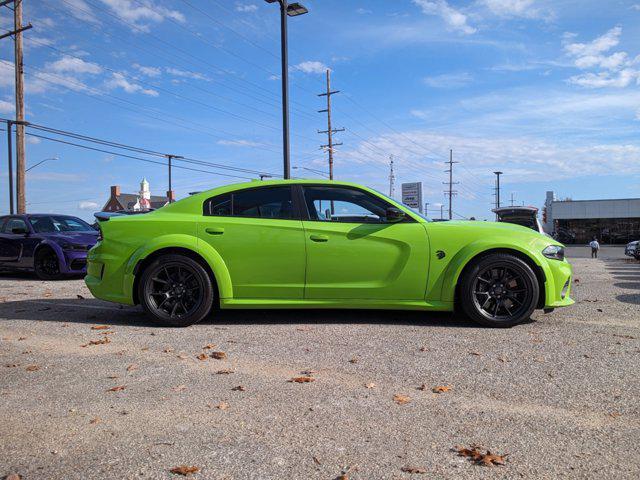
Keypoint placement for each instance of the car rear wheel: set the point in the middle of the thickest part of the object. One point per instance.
(46, 264)
(499, 290)
(176, 291)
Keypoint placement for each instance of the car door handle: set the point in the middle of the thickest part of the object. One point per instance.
(319, 238)
(214, 230)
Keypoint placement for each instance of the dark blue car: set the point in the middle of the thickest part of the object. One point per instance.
(54, 246)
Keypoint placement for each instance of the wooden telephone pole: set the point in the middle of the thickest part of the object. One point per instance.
(329, 131)
(20, 141)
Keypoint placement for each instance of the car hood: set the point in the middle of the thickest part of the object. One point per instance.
(80, 238)
(480, 229)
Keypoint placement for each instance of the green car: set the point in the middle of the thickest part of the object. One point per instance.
(321, 244)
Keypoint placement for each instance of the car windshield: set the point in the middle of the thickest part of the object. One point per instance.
(54, 224)
(421, 215)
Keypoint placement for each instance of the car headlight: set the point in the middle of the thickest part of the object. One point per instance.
(556, 252)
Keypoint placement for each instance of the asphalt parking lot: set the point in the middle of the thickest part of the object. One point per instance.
(559, 396)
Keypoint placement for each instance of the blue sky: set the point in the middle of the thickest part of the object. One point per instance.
(546, 91)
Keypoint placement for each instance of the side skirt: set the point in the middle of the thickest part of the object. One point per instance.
(250, 303)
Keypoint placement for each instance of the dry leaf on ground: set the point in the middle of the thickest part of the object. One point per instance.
(222, 406)
(179, 388)
(32, 368)
(353, 360)
(475, 455)
(13, 476)
(102, 341)
(477, 354)
(202, 356)
(401, 399)
(239, 388)
(132, 367)
(441, 389)
(416, 470)
(370, 385)
(302, 380)
(184, 470)
(117, 389)
(225, 371)
(93, 421)
(100, 327)
(218, 355)
(208, 346)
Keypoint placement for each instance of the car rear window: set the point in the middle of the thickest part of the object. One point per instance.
(265, 202)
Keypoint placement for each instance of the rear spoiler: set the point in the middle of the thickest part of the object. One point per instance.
(105, 216)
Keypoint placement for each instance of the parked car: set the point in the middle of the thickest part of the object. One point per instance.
(633, 249)
(53, 246)
(271, 245)
(525, 216)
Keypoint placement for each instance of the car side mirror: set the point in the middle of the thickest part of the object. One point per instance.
(19, 231)
(394, 215)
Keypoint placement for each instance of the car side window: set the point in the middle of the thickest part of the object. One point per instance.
(344, 205)
(266, 202)
(15, 223)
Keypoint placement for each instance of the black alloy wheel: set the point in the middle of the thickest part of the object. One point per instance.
(499, 290)
(46, 264)
(176, 291)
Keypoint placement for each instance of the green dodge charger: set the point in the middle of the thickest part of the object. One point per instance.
(321, 244)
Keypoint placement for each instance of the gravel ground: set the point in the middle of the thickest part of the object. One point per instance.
(559, 395)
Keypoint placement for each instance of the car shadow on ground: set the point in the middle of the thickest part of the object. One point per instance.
(91, 311)
(16, 276)
(626, 274)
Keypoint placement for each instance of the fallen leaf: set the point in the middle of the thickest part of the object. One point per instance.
(202, 356)
(222, 406)
(308, 372)
(179, 388)
(168, 350)
(441, 389)
(132, 367)
(599, 309)
(218, 355)
(184, 470)
(102, 341)
(117, 389)
(423, 387)
(13, 476)
(209, 346)
(476, 456)
(477, 354)
(32, 368)
(182, 357)
(353, 360)
(225, 371)
(22, 338)
(302, 380)
(401, 399)
(112, 377)
(93, 421)
(100, 327)
(615, 414)
(370, 385)
(413, 470)
(631, 337)
(315, 460)
(424, 349)
(239, 388)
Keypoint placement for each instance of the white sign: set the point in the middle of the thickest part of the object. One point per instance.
(412, 195)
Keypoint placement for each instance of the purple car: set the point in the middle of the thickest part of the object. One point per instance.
(54, 246)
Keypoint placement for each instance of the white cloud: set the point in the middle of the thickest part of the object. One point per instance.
(449, 80)
(617, 71)
(455, 19)
(6, 107)
(148, 71)
(238, 143)
(140, 12)
(246, 8)
(118, 80)
(87, 205)
(7, 74)
(512, 8)
(310, 67)
(33, 140)
(186, 74)
(73, 65)
(80, 10)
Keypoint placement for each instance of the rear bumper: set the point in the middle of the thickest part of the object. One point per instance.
(106, 278)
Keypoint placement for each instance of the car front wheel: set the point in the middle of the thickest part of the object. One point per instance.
(46, 264)
(176, 291)
(499, 290)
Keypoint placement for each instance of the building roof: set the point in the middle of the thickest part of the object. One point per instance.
(128, 200)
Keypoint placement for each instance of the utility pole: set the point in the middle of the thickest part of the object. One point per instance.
(329, 131)
(20, 140)
(451, 192)
(441, 211)
(169, 165)
(498, 189)
(392, 177)
(512, 199)
(426, 209)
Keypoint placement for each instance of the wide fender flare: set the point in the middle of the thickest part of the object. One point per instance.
(53, 246)
(472, 250)
(189, 242)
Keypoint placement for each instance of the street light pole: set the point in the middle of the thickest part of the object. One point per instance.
(291, 10)
(40, 163)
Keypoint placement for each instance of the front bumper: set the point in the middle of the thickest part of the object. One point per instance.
(558, 284)
(73, 262)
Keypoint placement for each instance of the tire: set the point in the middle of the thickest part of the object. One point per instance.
(499, 290)
(46, 264)
(176, 291)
